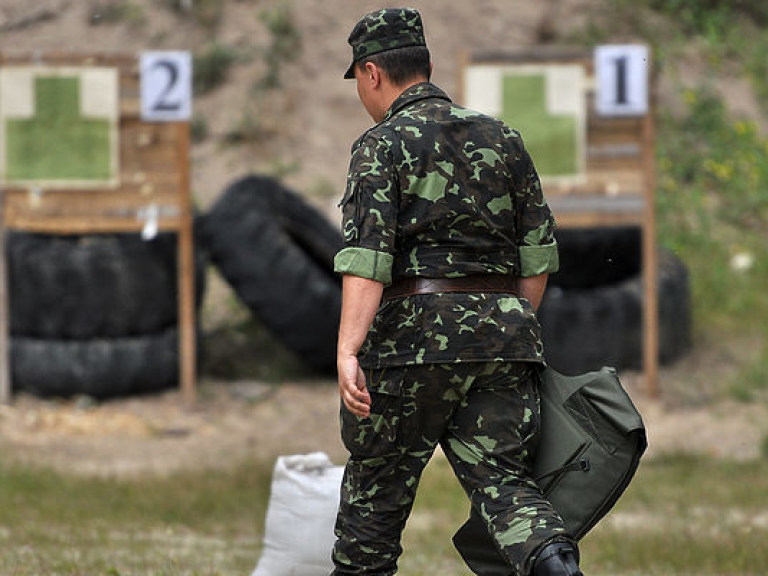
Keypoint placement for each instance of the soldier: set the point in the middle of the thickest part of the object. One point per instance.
(448, 245)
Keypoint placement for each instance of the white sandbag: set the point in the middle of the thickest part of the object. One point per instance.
(298, 532)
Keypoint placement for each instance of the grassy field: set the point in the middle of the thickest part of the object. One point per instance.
(195, 523)
(682, 515)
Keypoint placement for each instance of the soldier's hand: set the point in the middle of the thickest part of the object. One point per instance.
(352, 387)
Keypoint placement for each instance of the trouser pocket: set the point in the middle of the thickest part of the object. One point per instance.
(378, 434)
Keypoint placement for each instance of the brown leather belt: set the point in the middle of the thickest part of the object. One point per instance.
(413, 285)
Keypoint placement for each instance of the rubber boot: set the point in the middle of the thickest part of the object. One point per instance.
(557, 559)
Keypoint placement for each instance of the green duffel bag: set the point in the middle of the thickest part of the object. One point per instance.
(592, 438)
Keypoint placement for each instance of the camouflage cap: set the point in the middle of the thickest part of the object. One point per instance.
(384, 30)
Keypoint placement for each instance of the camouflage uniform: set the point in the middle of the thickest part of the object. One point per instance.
(439, 191)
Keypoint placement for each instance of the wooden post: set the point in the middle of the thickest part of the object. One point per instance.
(187, 344)
(650, 262)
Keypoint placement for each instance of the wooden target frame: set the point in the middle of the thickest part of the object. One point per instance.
(617, 185)
(151, 189)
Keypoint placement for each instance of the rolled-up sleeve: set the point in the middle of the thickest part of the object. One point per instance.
(365, 263)
(535, 260)
(369, 212)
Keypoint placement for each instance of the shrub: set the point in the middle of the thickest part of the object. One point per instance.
(210, 68)
(285, 45)
(121, 11)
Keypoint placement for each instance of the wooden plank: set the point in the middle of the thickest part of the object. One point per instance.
(630, 125)
(602, 151)
(65, 217)
(598, 203)
(150, 161)
(598, 183)
(145, 133)
(596, 219)
(62, 58)
(612, 160)
(535, 55)
(617, 137)
(131, 198)
(91, 225)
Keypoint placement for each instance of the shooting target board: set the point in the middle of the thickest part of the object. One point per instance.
(586, 118)
(78, 156)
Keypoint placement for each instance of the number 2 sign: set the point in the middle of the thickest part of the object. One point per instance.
(622, 80)
(166, 86)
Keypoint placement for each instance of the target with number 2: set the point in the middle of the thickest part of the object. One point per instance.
(166, 86)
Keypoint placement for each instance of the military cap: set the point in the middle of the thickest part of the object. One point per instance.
(384, 30)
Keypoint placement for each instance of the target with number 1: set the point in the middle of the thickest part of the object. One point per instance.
(622, 80)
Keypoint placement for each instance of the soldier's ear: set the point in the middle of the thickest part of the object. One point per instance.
(372, 74)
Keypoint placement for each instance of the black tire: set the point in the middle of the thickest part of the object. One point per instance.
(585, 330)
(597, 256)
(277, 253)
(95, 286)
(99, 368)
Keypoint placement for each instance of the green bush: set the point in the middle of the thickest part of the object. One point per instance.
(708, 16)
(198, 129)
(211, 67)
(248, 129)
(285, 45)
(712, 210)
(207, 13)
(122, 11)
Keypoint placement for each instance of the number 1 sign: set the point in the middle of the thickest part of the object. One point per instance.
(622, 80)
(166, 86)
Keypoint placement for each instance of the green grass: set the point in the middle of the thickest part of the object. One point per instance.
(193, 523)
(681, 515)
(686, 514)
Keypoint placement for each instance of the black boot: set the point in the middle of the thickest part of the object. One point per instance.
(557, 559)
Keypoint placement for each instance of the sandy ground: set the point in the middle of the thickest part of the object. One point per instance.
(232, 422)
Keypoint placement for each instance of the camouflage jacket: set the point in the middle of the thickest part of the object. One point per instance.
(437, 190)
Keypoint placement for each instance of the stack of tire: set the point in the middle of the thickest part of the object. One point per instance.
(93, 315)
(276, 251)
(592, 312)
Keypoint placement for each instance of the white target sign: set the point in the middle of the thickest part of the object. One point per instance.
(166, 86)
(622, 80)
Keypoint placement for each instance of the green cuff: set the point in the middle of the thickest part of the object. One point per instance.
(365, 263)
(535, 260)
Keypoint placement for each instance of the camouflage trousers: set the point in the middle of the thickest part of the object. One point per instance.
(485, 416)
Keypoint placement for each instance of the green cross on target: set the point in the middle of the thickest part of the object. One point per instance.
(58, 143)
(550, 138)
